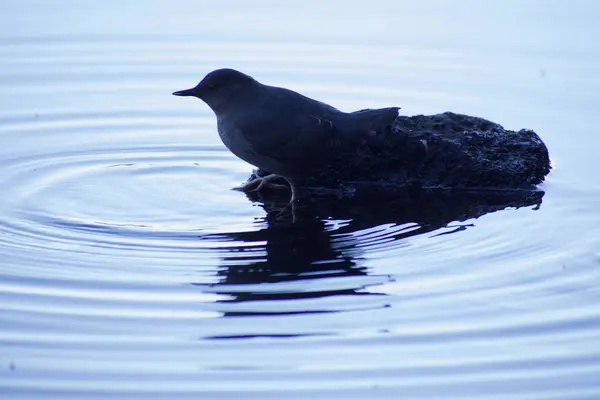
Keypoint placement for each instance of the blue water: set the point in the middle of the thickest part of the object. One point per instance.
(129, 269)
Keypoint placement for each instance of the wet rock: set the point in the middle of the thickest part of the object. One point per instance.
(430, 208)
(445, 150)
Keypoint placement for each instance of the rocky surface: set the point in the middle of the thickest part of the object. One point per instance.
(440, 151)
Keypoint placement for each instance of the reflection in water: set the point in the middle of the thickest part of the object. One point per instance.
(331, 239)
(284, 254)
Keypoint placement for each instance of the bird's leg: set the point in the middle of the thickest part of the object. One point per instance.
(291, 206)
(298, 194)
(260, 183)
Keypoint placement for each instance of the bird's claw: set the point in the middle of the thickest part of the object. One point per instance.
(264, 184)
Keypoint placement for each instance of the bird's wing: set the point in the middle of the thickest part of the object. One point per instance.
(292, 137)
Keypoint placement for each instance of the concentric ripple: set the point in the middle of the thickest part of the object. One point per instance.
(129, 269)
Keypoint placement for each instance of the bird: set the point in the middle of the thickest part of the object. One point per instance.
(284, 132)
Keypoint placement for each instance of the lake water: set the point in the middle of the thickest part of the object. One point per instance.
(129, 269)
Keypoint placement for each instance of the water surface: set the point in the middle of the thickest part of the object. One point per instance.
(129, 269)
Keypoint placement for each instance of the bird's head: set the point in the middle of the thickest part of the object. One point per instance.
(220, 88)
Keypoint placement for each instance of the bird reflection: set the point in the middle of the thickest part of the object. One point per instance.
(294, 257)
(324, 253)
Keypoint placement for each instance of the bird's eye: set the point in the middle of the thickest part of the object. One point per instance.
(211, 86)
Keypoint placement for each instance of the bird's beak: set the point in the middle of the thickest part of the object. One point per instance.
(186, 92)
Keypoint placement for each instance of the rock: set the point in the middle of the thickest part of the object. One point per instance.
(372, 205)
(440, 151)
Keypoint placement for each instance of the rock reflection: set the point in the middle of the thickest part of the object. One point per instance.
(322, 253)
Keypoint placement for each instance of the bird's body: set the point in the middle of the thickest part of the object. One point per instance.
(282, 131)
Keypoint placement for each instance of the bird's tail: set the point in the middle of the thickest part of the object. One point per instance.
(376, 119)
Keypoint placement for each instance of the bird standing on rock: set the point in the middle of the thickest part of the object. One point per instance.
(284, 132)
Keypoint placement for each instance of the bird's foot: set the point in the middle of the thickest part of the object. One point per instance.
(294, 204)
(260, 184)
(288, 211)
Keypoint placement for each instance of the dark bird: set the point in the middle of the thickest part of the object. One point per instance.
(284, 132)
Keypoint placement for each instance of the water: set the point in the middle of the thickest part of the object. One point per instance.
(130, 270)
